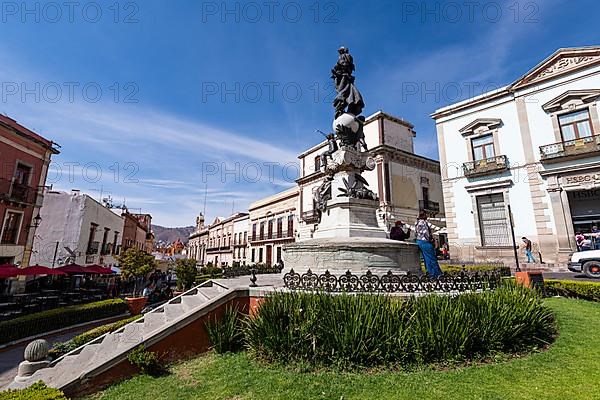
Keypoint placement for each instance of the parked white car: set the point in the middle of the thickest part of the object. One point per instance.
(587, 261)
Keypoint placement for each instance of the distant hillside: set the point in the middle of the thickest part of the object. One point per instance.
(171, 234)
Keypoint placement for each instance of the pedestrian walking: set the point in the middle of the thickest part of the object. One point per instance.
(424, 237)
(528, 246)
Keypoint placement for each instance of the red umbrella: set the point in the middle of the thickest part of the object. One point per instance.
(40, 270)
(72, 269)
(98, 269)
(8, 271)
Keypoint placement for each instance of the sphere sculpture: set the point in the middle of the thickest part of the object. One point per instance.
(37, 350)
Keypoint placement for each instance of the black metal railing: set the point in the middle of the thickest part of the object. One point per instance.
(16, 192)
(485, 166)
(391, 283)
(430, 206)
(93, 248)
(310, 217)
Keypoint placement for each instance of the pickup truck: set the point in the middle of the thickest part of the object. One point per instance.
(587, 261)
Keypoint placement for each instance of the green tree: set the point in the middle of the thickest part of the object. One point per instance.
(135, 263)
(186, 273)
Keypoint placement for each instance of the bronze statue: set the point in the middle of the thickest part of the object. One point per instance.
(347, 94)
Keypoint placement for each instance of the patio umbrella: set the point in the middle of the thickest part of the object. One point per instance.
(97, 269)
(72, 269)
(39, 270)
(8, 271)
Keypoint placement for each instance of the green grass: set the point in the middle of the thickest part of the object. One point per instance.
(568, 370)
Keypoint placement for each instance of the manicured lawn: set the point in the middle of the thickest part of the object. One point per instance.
(568, 370)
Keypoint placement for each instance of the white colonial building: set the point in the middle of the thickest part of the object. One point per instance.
(75, 228)
(240, 239)
(533, 145)
(405, 182)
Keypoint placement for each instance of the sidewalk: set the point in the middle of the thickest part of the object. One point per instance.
(10, 358)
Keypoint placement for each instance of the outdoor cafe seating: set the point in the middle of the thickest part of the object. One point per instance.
(52, 287)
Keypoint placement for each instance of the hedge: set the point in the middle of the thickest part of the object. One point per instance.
(37, 391)
(58, 318)
(59, 349)
(573, 289)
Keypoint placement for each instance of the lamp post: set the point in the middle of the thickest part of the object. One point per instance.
(512, 231)
(30, 229)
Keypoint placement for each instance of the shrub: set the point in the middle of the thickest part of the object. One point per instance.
(136, 263)
(225, 334)
(211, 271)
(454, 268)
(367, 331)
(58, 318)
(61, 348)
(147, 362)
(203, 278)
(186, 273)
(573, 289)
(37, 391)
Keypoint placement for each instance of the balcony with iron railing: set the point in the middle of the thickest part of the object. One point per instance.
(571, 149)
(310, 216)
(18, 193)
(429, 206)
(487, 166)
(92, 248)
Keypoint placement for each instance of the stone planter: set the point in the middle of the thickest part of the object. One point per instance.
(136, 304)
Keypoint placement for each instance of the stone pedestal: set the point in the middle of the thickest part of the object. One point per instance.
(357, 254)
(348, 218)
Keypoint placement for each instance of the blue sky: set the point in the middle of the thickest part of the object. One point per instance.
(156, 103)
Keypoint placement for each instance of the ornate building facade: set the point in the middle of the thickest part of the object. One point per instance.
(405, 182)
(531, 147)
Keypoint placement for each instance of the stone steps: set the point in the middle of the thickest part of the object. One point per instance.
(113, 346)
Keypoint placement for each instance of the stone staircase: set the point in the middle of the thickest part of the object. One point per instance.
(106, 351)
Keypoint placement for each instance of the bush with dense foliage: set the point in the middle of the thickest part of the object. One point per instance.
(37, 391)
(470, 268)
(225, 333)
(211, 271)
(58, 318)
(147, 362)
(61, 348)
(366, 331)
(573, 289)
(186, 271)
(203, 278)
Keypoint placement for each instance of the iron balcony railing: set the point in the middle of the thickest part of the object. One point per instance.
(430, 206)
(486, 166)
(310, 217)
(570, 148)
(13, 191)
(93, 248)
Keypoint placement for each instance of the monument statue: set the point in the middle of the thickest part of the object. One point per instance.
(347, 235)
(348, 95)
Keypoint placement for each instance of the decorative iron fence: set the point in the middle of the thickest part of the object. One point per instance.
(244, 270)
(392, 283)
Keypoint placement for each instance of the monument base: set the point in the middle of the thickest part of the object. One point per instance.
(357, 254)
(347, 217)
